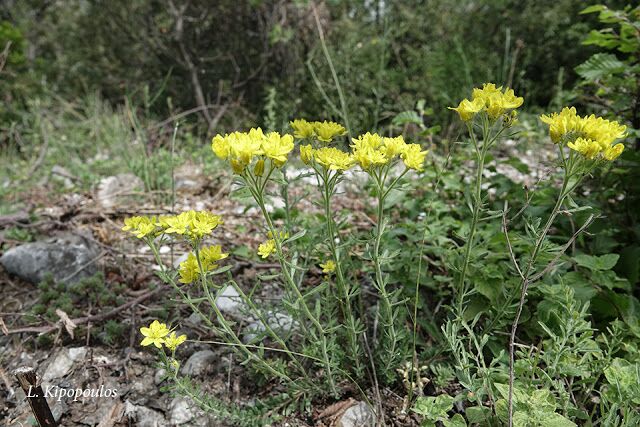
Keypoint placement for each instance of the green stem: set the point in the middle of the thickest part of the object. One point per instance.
(387, 355)
(477, 207)
(524, 283)
(258, 197)
(343, 287)
(225, 325)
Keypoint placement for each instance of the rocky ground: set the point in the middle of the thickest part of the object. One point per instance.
(77, 235)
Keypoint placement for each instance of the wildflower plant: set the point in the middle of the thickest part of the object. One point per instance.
(337, 343)
(583, 144)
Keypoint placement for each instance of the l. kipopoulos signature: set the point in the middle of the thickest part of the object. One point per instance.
(53, 391)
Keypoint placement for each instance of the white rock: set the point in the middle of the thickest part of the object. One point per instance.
(229, 300)
(358, 415)
(198, 363)
(113, 188)
(181, 411)
(281, 324)
(63, 362)
(143, 416)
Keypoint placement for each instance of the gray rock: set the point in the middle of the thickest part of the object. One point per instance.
(182, 410)
(112, 189)
(198, 363)
(143, 416)
(281, 323)
(229, 301)
(63, 362)
(358, 415)
(68, 258)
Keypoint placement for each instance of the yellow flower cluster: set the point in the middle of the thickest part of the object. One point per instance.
(192, 224)
(267, 248)
(494, 100)
(190, 270)
(328, 267)
(372, 150)
(323, 131)
(240, 148)
(158, 334)
(368, 151)
(590, 136)
(333, 158)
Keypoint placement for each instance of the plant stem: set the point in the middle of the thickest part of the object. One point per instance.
(343, 288)
(258, 196)
(477, 207)
(225, 325)
(524, 283)
(387, 355)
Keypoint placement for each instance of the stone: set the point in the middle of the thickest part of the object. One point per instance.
(68, 258)
(181, 410)
(281, 323)
(358, 415)
(143, 416)
(229, 301)
(198, 363)
(189, 178)
(112, 189)
(63, 362)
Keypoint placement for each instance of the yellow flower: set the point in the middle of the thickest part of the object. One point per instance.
(612, 153)
(326, 131)
(510, 100)
(468, 109)
(587, 147)
(173, 341)
(561, 124)
(393, 147)
(368, 158)
(140, 226)
(176, 224)
(154, 334)
(588, 135)
(306, 153)
(277, 147)
(220, 146)
(302, 129)
(334, 159)
(267, 248)
(491, 99)
(413, 157)
(328, 267)
(189, 270)
(245, 147)
(210, 256)
(368, 140)
(194, 225)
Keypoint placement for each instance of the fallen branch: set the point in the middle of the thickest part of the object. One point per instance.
(86, 319)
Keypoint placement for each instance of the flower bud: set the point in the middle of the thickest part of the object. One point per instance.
(258, 170)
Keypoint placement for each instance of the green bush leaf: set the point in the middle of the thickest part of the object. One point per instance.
(599, 65)
(597, 263)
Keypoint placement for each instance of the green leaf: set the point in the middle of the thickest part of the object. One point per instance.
(407, 117)
(478, 414)
(597, 263)
(599, 65)
(456, 421)
(592, 9)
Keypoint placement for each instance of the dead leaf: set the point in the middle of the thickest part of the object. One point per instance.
(66, 321)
